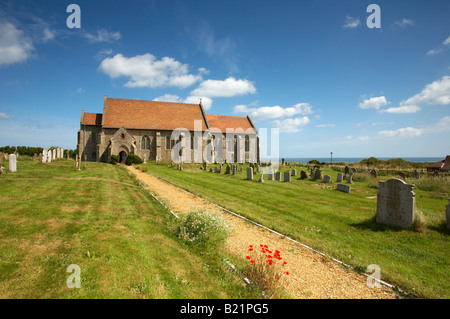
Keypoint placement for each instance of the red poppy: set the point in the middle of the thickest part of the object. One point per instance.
(284, 263)
(251, 249)
(287, 272)
(252, 261)
(248, 257)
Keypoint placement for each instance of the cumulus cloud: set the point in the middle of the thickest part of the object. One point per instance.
(351, 22)
(273, 112)
(146, 71)
(435, 93)
(102, 36)
(14, 45)
(206, 101)
(292, 125)
(224, 88)
(402, 109)
(374, 102)
(405, 132)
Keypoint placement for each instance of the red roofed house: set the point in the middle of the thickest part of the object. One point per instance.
(145, 128)
(443, 166)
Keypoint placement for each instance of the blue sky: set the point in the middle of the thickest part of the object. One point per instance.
(314, 69)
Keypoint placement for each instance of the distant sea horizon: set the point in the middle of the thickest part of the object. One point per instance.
(359, 159)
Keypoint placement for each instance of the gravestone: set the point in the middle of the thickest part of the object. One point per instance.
(346, 170)
(343, 188)
(49, 156)
(303, 175)
(287, 176)
(234, 169)
(416, 174)
(13, 163)
(44, 155)
(54, 154)
(210, 170)
(228, 169)
(261, 178)
(395, 203)
(374, 173)
(241, 169)
(326, 178)
(34, 157)
(270, 175)
(278, 176)
(1, 158)
(339, 178)
(294, 172)
(350, 178)
(447, 213)
(249, 173)
(318, 174)
(1, 170)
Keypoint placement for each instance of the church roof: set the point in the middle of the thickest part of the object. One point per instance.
(156, 115)
(139, 114)
(91, 119)
(222, 122)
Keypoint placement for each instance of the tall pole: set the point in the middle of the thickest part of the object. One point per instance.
(331, 157)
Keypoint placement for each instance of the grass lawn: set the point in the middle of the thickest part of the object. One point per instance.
(100, 219)
(338, 224)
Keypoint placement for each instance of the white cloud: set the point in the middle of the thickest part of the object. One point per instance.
(103, 53)
(14, 45)
(291, 125)
(351, 22)
(447, 41)
(4, 116)
(405, 109)
(146, 71)
(435, 93)
(326, 125)
(374, 103)
(402, 132)
(433, 52)
(48, 35)
(206, 101)
(273, 112)
(404, 22)
(226, 88)
(102, 36)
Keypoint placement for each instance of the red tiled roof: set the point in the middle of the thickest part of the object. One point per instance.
(92, 119)
(222, 122)
(138, 114)
(446, 165)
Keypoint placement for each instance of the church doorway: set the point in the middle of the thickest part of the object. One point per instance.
(123, 157)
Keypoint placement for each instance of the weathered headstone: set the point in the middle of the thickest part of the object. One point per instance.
(49, 156)
(270, 175)
(294, 172)
(339, 178)
(241, 169)
(350, 178)
(343, 188)
(228, 169)
(326, 178)
(287, 176)
(54, 154)
(303, 175)
(278, 176)
(395, 203)
(346, 170)
(44, 155)
(13, 163)
(416, 174)
(318, 174)
(249, 173)
(34, 157)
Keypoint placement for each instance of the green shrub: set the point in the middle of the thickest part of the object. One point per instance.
(114, 159)
(202, 229)
(133, 159)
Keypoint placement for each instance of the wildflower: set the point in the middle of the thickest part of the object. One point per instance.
(252, 261)
(287, 272)
(284, 263)
(248, 257)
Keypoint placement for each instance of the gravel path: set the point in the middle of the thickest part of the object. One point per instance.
(310, 275)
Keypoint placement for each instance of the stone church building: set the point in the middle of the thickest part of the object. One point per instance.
(156, 130)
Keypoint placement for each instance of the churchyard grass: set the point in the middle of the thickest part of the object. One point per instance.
(340, 225)
(100, 219)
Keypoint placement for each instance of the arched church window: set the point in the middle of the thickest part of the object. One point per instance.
(145, 143)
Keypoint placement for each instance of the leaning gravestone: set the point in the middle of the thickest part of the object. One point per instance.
(249, 173)
(447, 213)
(343, 188)
(13, 163)
(395, 203)
(326, 178)
(350, 178)
(287, 176)
(339, 178)
(278, 176)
